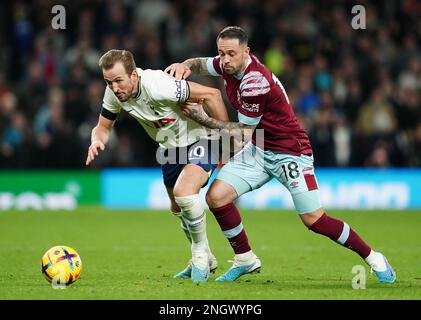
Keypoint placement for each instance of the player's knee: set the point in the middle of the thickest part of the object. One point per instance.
(310, 218)
(215, 199)
(190, 205)
(185, 190)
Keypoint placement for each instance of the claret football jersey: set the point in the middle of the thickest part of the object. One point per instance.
(261, 100)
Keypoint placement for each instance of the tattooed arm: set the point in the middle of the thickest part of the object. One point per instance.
(190, 66)
(238, 130)
(198, 66)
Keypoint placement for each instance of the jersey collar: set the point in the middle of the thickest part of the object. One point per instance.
(139, 88)
(241, 75)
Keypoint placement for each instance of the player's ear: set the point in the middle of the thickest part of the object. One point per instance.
(247, 50)
(134, 74)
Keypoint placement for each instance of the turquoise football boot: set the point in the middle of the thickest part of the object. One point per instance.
(387, 276)
(186, 273)
(238, 270)
(199, 275)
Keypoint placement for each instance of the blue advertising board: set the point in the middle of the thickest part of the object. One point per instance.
(339, 188)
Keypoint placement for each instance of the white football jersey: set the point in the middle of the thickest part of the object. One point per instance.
(155, 108)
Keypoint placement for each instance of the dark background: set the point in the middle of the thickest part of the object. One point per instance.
(356, 92)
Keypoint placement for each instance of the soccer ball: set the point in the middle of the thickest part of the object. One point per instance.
(61, 265)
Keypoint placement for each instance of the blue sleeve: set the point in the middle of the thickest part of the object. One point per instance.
(210, 64)
(248, 120)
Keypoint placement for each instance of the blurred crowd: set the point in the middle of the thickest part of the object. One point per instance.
(357, 92)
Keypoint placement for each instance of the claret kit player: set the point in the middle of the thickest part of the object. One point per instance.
(286, 154)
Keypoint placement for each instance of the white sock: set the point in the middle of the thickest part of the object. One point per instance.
(245, 257)
(193, 214)
(376, 261)
(208, 249)
(183, 225)
(188, 236)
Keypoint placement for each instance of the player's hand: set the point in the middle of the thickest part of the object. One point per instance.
(236, 144)
(178, 70)
(193, 110)
(93, 150)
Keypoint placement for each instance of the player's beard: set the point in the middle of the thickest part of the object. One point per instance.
(234, 70)
(229, 70)
(127, 96)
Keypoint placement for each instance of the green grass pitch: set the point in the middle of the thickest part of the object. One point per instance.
(134, 254)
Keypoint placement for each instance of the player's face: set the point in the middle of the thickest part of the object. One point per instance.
(123, 85)
(233, 55)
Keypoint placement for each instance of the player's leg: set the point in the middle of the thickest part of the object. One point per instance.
(339, 231)
(202, 159)
(170, 173)
(242, 174)
(298, 176)
(220, 199)
(186, 195)
(176, 211)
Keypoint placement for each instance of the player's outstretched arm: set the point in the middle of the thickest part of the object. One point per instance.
(238, 130)
(190, 66)
(99, 137)
(212, 98)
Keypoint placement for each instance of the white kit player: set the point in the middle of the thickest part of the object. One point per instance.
(187, 155)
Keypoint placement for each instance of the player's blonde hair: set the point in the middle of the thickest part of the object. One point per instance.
(110, 58)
